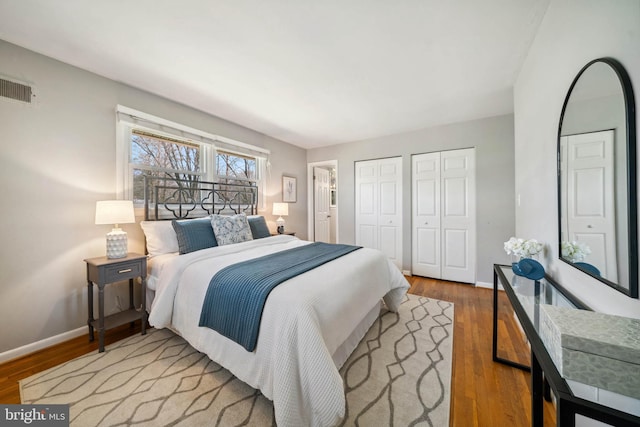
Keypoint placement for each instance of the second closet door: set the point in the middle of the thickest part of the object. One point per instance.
(443, 204)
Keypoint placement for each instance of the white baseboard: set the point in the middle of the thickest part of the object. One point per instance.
(39, 345)
(488, 285)
(406, 272)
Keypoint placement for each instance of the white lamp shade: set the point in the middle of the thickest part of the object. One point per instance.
(115, 212)
(281, 209)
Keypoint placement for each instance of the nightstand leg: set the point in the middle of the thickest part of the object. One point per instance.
(143, 292)
(131, 305)
(131, 294)
(90, 300)
(100, 318)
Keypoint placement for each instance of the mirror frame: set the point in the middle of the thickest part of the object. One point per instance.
(632, 205)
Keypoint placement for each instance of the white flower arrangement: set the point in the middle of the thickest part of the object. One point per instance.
(574, 251)
(523, 248)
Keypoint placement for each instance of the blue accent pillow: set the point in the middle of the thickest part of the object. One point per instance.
(194, 234)
(259, 227)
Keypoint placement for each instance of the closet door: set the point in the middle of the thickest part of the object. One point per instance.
(458, 220)
(379, 206)
(390, 209)
(367, 204)
(426, 215)
(443, 215)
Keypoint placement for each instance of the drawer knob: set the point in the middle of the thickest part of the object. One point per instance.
(128, 270)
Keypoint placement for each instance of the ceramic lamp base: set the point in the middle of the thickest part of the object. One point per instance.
(280, 225)
(117, 244)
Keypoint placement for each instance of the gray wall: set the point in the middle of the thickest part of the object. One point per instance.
(57, 160)
(572, 33)
(493, 139)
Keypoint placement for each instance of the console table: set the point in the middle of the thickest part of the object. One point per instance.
(572, 398)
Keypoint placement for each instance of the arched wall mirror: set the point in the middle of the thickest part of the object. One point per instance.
(597, 198)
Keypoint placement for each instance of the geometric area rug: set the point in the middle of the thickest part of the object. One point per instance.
(399, 375)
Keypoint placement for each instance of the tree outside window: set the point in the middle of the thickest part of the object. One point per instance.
(235, 166)
(236, 169)
(181, 163)
(164, 158)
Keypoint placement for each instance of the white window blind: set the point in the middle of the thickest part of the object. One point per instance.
(167, 127)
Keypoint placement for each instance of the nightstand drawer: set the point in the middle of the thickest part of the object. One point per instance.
(123, 271)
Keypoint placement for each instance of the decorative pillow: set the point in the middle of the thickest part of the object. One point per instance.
(231, 229)
(194, 234)
(160, 236)
(258, 227)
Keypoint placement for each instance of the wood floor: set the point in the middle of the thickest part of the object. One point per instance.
(484, 393)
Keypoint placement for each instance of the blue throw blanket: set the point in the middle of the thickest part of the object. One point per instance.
(236, 295)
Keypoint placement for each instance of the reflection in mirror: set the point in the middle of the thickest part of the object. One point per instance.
(596, 176)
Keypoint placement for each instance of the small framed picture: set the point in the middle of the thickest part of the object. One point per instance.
(289, 189)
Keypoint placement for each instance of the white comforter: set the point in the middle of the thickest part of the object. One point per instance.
(305, 320)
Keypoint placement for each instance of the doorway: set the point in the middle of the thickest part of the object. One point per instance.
(322, 201)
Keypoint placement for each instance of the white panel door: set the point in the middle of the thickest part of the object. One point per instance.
(590, 203)
(390, 209)
(426, 215)
(443, 215)
(322, 217)
(379, 206)
(458, 213)
(367, 204)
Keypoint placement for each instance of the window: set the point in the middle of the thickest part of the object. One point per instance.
(235, 166)
(150, 145)
(162, 156)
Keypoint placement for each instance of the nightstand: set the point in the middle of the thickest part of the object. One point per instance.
(102, 271)
(289, 233)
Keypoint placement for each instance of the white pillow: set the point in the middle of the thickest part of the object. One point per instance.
(161, 237)
(231, 229)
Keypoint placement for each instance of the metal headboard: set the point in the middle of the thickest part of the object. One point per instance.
(172, 198)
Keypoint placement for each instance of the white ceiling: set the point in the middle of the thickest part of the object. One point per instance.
(311, 73)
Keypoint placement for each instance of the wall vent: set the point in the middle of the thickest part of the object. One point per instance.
(16, 91)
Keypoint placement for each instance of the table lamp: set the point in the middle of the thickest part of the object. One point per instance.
(115, 212)
(280, 209)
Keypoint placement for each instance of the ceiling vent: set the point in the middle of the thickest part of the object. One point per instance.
(16, 91)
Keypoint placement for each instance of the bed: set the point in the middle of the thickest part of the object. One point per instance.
(310, 323)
